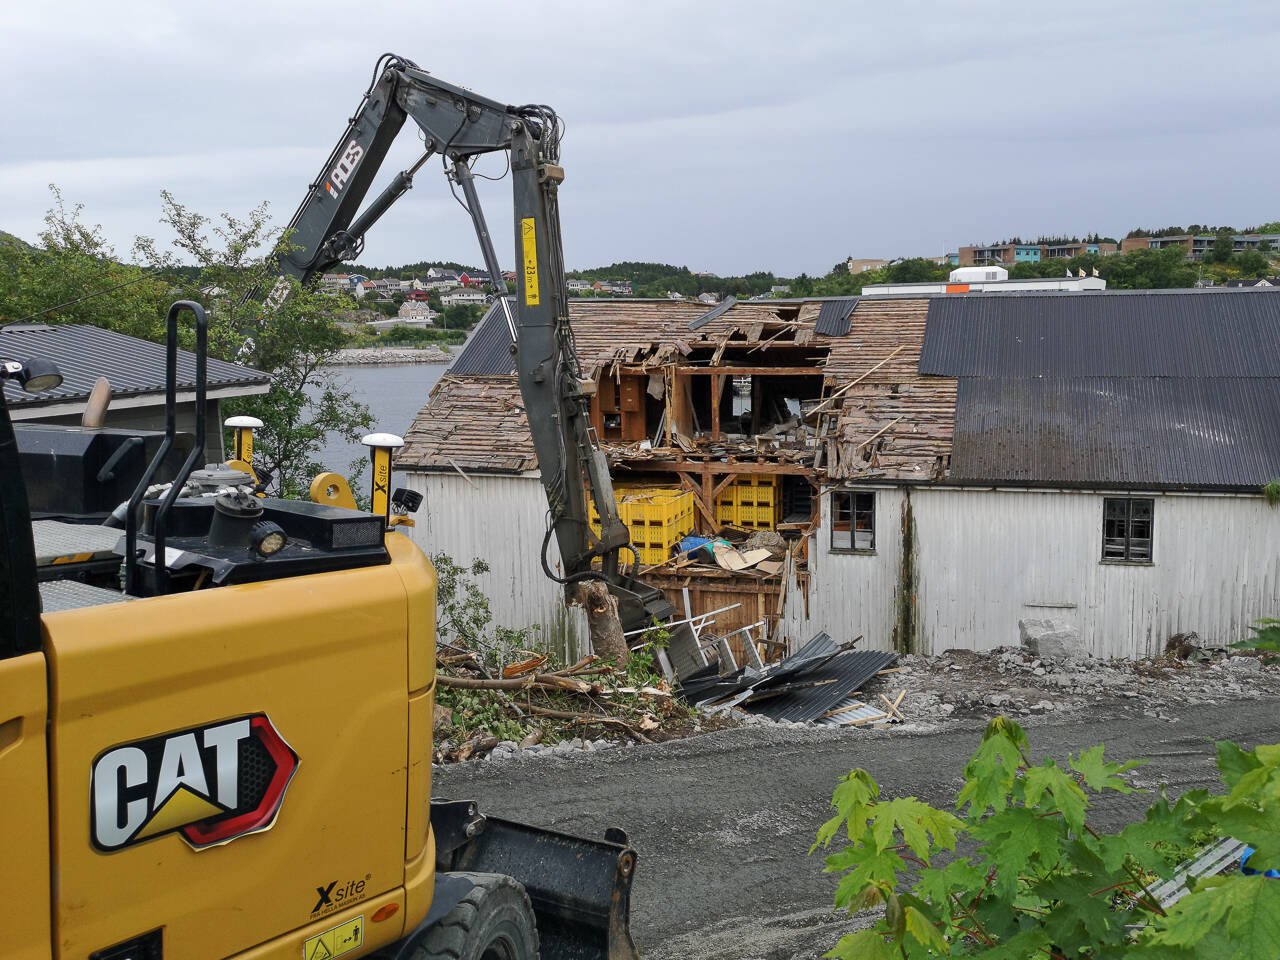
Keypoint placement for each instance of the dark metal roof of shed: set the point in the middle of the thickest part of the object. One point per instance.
(1157, 432)
(134, 367)
(1155, 334)
(487, 352)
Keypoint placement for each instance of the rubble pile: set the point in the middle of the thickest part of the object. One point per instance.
(1014, 681)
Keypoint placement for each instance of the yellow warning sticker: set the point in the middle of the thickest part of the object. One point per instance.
(529, 240)
(343, 938)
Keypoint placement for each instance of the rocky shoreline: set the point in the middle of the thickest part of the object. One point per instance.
(381, 355)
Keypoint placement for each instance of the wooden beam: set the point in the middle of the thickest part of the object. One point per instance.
(716, 381)
(689, 483)
(722, 484)
(719, 466)
(813, 371)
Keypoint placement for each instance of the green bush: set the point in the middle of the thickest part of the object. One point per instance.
(1016, 871)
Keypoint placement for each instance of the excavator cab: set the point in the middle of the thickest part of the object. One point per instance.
(224, 749)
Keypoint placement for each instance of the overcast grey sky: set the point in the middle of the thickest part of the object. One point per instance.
(725, 136)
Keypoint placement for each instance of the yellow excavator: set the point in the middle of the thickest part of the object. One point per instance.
(216, 708)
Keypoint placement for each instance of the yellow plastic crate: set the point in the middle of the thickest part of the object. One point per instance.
(752, 500)
(656, 517)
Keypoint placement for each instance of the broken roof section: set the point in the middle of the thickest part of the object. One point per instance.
(1158, 390)
(474, 423)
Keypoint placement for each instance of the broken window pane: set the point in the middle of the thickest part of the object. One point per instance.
(1127, 528)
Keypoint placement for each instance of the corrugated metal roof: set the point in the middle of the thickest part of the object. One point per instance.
(488, 351)
(833, 684)
(1156, 334)
(719, 310)
(833, 318)
(84, 353)
(1122, 431)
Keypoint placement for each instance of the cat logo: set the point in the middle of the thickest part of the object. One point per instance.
(210, 784)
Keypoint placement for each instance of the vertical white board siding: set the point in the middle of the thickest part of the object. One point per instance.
(851, 594)
(986, 559)
(500, 520)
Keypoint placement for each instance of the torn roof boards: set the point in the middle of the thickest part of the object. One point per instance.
(909, 407)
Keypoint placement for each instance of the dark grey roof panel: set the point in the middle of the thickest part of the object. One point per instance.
(833, 683)
(719, 310)
(487, 352)
(1227, 334)
(833, 317)
(84, 353)
(1121, 431)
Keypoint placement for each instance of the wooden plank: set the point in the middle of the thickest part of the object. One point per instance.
(733, 371)
(716, 381)
(688, 483)
(738, 466)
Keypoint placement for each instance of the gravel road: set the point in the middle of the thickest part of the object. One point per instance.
(723, 822)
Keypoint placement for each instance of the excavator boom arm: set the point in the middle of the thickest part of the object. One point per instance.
(460, 125)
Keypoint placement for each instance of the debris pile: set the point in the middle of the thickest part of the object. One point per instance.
(815, 684)
(1016, 682)
(529, 704)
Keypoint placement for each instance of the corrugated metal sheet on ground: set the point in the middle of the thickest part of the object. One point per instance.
(834, 682)
(1126, 431)
(487, 352)
(849, 712)
(1210, 334)
(833, 317)
(84, 353)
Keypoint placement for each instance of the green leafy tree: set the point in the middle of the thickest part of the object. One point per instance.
(273, 325)
(1016, 870)
(1223, 247)
(74, 262)
(1252, 263)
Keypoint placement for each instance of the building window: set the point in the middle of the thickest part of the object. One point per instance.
(853, 521)
(1126, 528)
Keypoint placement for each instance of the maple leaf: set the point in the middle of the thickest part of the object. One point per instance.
(865, 870)
(1068, 798)
(921, 928)
(863, 945)
(990, 773)
(1234, 763)
(1247, 908)
(916, 821)
(852, 798)
(1030, 942)
(1015, 839)
(1100, 775)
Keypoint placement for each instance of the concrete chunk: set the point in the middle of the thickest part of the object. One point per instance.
(1051, 639)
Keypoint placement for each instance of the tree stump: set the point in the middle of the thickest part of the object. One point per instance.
(607, 640)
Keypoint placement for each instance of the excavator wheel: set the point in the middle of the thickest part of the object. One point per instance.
(494, 921)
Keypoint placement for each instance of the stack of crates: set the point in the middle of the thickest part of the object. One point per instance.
(657, 517)
(753, 501)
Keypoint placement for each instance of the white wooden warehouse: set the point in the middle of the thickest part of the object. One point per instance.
(1096, 458)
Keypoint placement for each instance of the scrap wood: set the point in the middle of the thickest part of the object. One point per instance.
(881, 673)
(861, 720)
(586, 718)
(524, 666)
(842, 709)
(854, 383)
(545, 681)
(893, 704)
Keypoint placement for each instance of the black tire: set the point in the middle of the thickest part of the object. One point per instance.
(492, 922)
